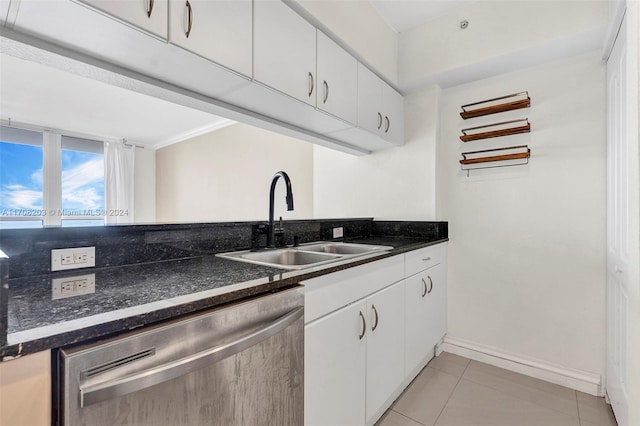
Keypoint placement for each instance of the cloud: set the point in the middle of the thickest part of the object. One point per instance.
(83, 185)
(20, 197)
(36, 177)
(82, 188)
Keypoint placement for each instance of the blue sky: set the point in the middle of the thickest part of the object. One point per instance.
(21, 178)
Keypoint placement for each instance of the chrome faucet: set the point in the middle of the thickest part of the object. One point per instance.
(289, 199)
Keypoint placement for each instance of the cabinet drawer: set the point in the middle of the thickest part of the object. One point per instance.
(425, 258)
(330, 292)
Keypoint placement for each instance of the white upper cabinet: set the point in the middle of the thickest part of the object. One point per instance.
(380, 107)
(220, 31)
(149, 15)
(285, 51)
(337, 80)
(369, 100)
(393, 107)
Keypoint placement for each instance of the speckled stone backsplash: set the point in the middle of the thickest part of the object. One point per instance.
(431, 230)
(29, 250)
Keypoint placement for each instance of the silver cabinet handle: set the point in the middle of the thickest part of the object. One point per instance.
(426, 259)
(379, 121)
(326, 92)
(364, 326)
(189, 18)
(121, 386)
(388, 123)
(150, 9)
(431, 286)
(425, 288)
(375, 324)
(311, 84)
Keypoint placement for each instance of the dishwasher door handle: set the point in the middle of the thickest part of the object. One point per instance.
(99, 392)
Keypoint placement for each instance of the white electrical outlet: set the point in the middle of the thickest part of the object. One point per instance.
(338, 232)
(73, 286)
(73, 258)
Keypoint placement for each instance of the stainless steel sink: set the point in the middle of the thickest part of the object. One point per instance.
(343, 248)
(305, 256)
(282, 258)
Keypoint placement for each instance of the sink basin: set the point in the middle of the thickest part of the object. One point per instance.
(304, 256)
(282, 258)
(343, 248)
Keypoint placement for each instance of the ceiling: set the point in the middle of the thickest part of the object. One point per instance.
(403, 15)
(37, 94)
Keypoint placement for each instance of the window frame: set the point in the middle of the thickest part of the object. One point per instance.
(52, 174)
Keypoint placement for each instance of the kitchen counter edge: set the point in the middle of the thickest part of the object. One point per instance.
(108, 329)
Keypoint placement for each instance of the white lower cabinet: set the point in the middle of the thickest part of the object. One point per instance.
(385, 347)
(425, 316)
(354, 352)
(369, 331)
(335, 365)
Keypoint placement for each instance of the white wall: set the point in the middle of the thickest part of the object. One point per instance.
(633, 132)
(360, 26)
(144, 193)
(502, 36)
(527, 249)
(226, 176)
(396, 183)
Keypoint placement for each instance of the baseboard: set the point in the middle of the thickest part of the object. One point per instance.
(575, 379)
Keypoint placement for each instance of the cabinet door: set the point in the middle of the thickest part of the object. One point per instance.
(219, 30)
(334, 367)
(425, 315)
(370, 115)
(285, 51)
(393, 110)
(385, 346)
(150, 15)
(337, 80)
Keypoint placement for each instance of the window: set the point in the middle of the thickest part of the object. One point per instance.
(50, 179)
(82, 182)
(21, 204)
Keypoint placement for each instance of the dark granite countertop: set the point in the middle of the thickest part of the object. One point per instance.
(128, 297)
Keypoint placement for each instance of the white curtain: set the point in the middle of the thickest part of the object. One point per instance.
(118, 182)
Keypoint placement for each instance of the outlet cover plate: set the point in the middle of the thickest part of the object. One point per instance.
(76, 285)
(73, 258)
(338, 232)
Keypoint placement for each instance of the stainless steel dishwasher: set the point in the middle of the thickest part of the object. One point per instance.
(238, 365)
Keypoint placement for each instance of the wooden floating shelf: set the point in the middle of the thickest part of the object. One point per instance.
(526, 128)
(494, 109)
(492, 158)
(509, 154)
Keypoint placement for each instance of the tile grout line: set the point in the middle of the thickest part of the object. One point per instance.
(407, 417)
(496, 389)
(578, 408)
(454, 389)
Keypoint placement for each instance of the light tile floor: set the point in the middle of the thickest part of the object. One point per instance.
(455, 391)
